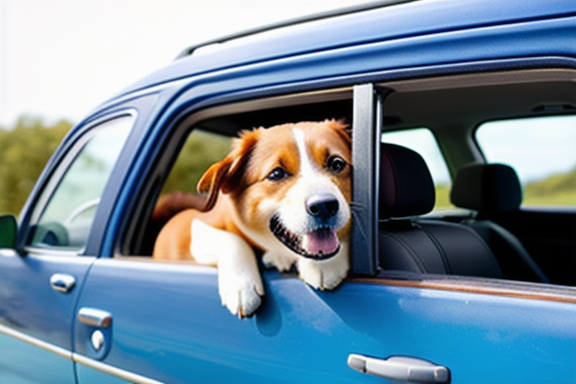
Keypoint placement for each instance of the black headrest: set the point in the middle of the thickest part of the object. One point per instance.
(406, 186)
(487, 188)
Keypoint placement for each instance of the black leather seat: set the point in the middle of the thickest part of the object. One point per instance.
(423, 246)
(490, 190)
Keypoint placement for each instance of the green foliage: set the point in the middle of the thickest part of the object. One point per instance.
(24, 151)
(555, 190)
(558, 189)
(201, 150)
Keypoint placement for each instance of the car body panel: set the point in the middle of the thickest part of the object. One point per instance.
(22, 362)
(32, 309)
(304, 335)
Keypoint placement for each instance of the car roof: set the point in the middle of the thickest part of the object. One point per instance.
(373, 22)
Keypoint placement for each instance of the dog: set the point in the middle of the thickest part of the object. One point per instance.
(284, 191)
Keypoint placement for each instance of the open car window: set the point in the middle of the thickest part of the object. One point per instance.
(483, 121)
(201, 139)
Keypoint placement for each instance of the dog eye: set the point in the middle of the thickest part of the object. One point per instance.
(335, 164)
(278, 174)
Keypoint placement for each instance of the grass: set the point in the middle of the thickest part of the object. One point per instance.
(532, 198)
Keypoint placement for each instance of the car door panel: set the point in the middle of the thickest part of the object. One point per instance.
(36, 319)
(24, 363)
(41, 282)
(169, 315)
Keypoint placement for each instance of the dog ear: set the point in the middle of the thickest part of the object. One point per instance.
(211, 180)
(342, 129)
(226, 175)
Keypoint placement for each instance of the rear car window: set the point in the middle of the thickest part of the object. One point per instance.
(542, 150)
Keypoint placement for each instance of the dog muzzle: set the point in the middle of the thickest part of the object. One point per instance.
(319, 244)
(321, 241)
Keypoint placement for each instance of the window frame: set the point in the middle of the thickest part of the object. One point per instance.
(362, 104)
(365, 270)
(59, 166)
(550, 78)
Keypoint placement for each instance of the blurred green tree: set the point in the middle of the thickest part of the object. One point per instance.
(24, 150)
(201, 150)
(557, 189)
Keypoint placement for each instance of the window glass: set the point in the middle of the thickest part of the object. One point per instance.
(421, 140)
(66, 219)
(542, 151)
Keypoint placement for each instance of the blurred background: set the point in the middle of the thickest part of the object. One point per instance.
(59, 59)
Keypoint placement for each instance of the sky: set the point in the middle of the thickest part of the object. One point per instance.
(60, 59)
(535, 147)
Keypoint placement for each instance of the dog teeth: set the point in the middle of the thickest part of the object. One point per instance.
(288, 238)
(293, 241)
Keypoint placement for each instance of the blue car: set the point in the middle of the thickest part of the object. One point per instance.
(463, 243)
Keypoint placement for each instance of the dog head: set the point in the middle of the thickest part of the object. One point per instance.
(290, 186)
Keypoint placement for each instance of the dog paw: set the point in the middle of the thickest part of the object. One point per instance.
(326, 274)
(242, 296)
(279, 261)
(239, 282)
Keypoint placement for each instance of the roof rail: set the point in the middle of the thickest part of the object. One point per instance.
(298, 20)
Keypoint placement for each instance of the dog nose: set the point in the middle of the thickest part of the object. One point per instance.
(322, 206)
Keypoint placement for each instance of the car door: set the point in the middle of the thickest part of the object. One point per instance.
(163, 322)
(168, 325)
(41, 280)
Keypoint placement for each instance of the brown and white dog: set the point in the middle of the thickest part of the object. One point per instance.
(285, 191)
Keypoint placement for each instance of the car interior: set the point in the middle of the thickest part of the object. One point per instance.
(487, 234)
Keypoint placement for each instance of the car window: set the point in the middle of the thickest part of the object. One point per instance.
(64, 214)
(203, 139)
(200, 150)
(542, 150)
(422, 141)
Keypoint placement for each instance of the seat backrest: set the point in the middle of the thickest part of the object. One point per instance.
(492, 189)
(487, 189)
(422, 246)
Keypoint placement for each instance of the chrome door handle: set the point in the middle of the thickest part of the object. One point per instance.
(62, 283)
(401, 368)
(94, 317)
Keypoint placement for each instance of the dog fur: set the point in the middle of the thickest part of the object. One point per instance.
(285, 191)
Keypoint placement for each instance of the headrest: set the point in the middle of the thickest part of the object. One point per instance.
(487, 188)
(406, 186)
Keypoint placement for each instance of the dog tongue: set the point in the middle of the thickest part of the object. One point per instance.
(322, 241)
